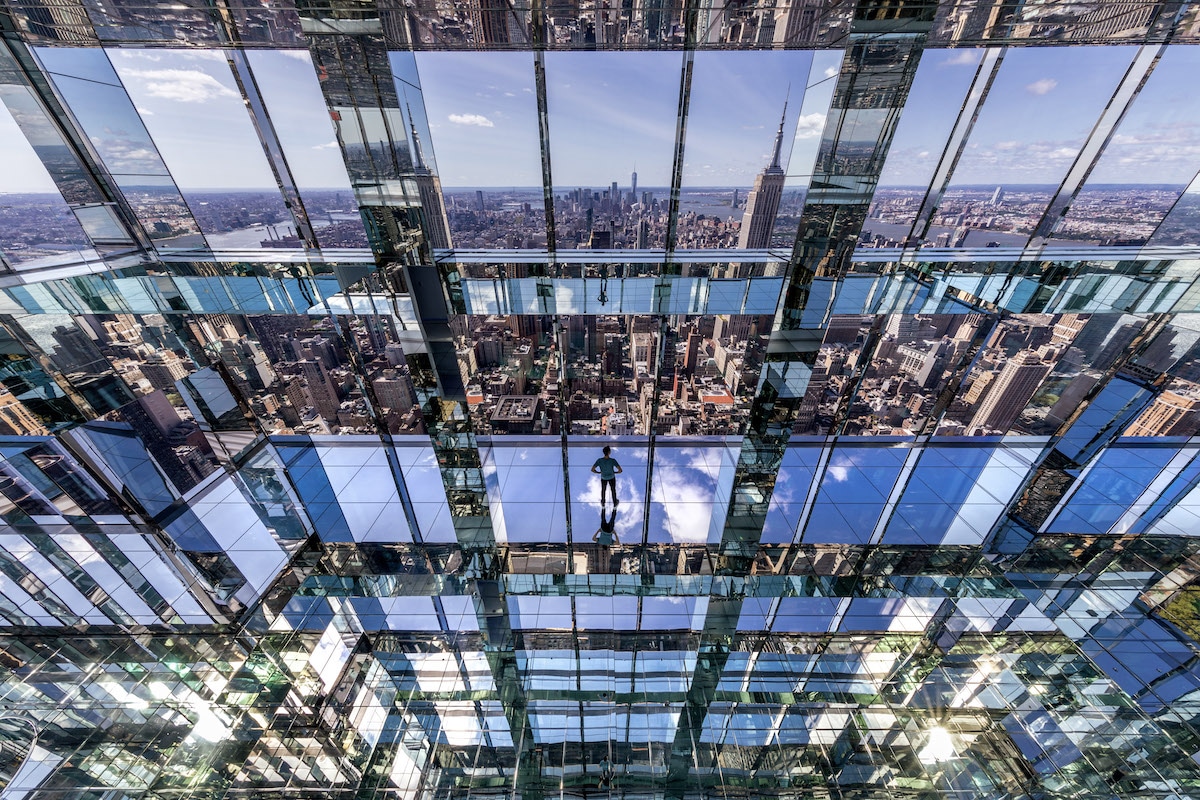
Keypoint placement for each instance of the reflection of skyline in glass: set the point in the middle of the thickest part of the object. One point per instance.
(612, 114)
(736, 102)
(289, 526)
(1038, 112)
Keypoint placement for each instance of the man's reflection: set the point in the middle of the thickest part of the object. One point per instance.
(605, 536)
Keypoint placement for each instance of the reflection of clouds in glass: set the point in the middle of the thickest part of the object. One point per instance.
(198, 120)
(1158, 141)
(124, 155)
(1052, 100)
(688, 506)
(957, 58)
(180, 85)
(686, 486)
(629, 513)
(484, 134)
(810, 125)
(1167, 154)
(786, 490)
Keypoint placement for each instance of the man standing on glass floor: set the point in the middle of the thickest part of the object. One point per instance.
(607, 468)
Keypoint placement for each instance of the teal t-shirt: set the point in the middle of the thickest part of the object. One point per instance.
(607, 467)
(604, 539)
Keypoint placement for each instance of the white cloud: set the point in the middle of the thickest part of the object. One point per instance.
(962, 58)
(123, 154)
(1044, 86)
(145, 112)
(181, 85)
(477, 120)
(830, 72)
(810, 126)
(327, 146)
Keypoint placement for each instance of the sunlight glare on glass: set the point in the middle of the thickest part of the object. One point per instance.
(939, 748)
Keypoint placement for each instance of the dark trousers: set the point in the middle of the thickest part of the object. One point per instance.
(610, 483)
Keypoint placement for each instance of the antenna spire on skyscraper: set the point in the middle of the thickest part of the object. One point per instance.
(418, 156)
(779, 134)
(762, 204)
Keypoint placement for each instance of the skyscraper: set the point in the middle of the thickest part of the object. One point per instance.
(1010, 392)
(762, 204)
(429, 187)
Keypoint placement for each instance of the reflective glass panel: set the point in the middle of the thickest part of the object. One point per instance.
(36, 226)
(919, 145)
(486, 135)
(300, 119)
(1147, 164)
(612, 117)
(191, 106)
(1039, 111)
(741, 113)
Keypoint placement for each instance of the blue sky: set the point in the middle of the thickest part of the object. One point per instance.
(737, 99)
(610, 112)
(23, 171)
(288, 82)
(485, 130)
(192, 108)
(1041, 107)
(1159, 139)
(936, 96)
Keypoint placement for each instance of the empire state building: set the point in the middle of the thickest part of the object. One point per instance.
(429, 188)
(763, 200)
